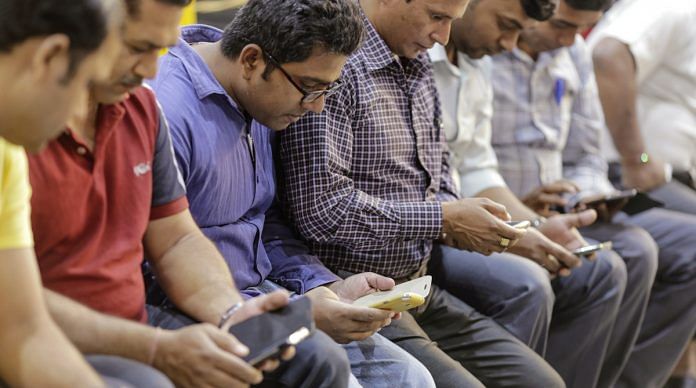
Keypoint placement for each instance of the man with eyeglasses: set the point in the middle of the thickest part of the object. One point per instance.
(225, 101)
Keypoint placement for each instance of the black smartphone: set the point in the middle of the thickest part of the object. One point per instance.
(613, 198)
(266, 335)
(590, 249)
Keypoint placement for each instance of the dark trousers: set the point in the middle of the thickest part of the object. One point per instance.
(462, 348)
(319, 361)
(567, 320)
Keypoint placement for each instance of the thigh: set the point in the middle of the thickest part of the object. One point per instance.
(446, 372)
(120, 372)
(169, 318)
(377, 362)
(484, 348)
(676, 196)
(486, 283)
(675, 235)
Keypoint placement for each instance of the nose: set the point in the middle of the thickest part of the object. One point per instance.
(147, 65)
(316, 106)
(441, 33)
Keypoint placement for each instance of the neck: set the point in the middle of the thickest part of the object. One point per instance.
(84, 126)
(451, 52)
(371, 11)
(226, 72)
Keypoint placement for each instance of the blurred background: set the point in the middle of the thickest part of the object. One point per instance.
(212, 12)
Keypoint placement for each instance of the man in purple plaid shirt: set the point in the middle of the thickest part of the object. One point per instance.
(367, 183)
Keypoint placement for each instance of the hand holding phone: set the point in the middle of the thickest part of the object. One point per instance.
(267, 334)
(402, 297)
(587, 250)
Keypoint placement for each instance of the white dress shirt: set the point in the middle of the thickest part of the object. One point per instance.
(466, 95)
(662, 38)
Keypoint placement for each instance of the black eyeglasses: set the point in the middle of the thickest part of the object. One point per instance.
(307, 96)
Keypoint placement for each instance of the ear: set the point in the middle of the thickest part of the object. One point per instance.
(252, 60)
(51, 59)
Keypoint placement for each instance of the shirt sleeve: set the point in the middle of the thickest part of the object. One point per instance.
(168, 189)
(582, 159)
(292, 266)
(15, 195)
(323, 201)
(476, 163)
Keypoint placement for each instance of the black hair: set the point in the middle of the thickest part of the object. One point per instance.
(589, 5)
(133, 6)
(289, 30)
(540, 10)
(84, 22)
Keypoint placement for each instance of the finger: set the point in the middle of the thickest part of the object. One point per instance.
(564, 256)
(365, 314)
(235, 367)
(504, 230)
(583, 218)
(359, 327)
(561, 187)
(269, 365)
(550, 199)
(379, 282)
(495, 209)
(271, 301)
(564, 272)
(288, 353)
(549, 262)
(225, 341)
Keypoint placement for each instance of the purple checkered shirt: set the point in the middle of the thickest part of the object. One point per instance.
(363, 178)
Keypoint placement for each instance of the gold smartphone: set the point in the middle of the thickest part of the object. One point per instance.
(402, 297)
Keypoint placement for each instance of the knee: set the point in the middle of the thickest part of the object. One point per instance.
(325, 363)
(535, 286)
(613, 271)
(640, 253)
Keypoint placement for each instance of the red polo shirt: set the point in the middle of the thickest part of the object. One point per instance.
(90, 210)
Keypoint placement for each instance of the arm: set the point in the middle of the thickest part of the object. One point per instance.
(189, 267)
(582, 161)
(615, 70)
(35, 352)
(325, 204)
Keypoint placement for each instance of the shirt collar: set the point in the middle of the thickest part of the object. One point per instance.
(203, 80)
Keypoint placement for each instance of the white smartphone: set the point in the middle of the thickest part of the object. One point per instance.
(402, 297)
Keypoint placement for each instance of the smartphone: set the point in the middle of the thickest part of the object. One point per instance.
(590, 249)
(613, 198)
(266, 335)
(519, 224)
(402, 297)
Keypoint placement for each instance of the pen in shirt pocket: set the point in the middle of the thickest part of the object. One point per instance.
(559, 90)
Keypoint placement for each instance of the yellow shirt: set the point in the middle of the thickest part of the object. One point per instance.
(15, 196)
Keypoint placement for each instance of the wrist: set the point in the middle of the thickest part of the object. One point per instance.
(636, 159)
(538, 222)
(229, 312)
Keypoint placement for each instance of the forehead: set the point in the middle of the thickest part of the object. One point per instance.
(155, 22)
(579, 18)
(451, 8)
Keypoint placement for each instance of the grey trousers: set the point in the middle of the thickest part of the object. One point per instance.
(118, 372)
(676, 196)
(567, 320)
(463, 348)
(321, 362)
(670, 319)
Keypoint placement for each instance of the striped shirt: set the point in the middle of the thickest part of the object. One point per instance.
(364, 177)
(547, 120)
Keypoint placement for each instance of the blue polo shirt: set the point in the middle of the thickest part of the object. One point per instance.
(227, 165)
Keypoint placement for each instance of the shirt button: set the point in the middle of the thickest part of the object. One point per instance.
(81, 151)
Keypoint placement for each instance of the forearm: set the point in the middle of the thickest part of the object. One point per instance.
(96, 333)
(503, 195)
(615, 72)
(196, 278)
(34, 351)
